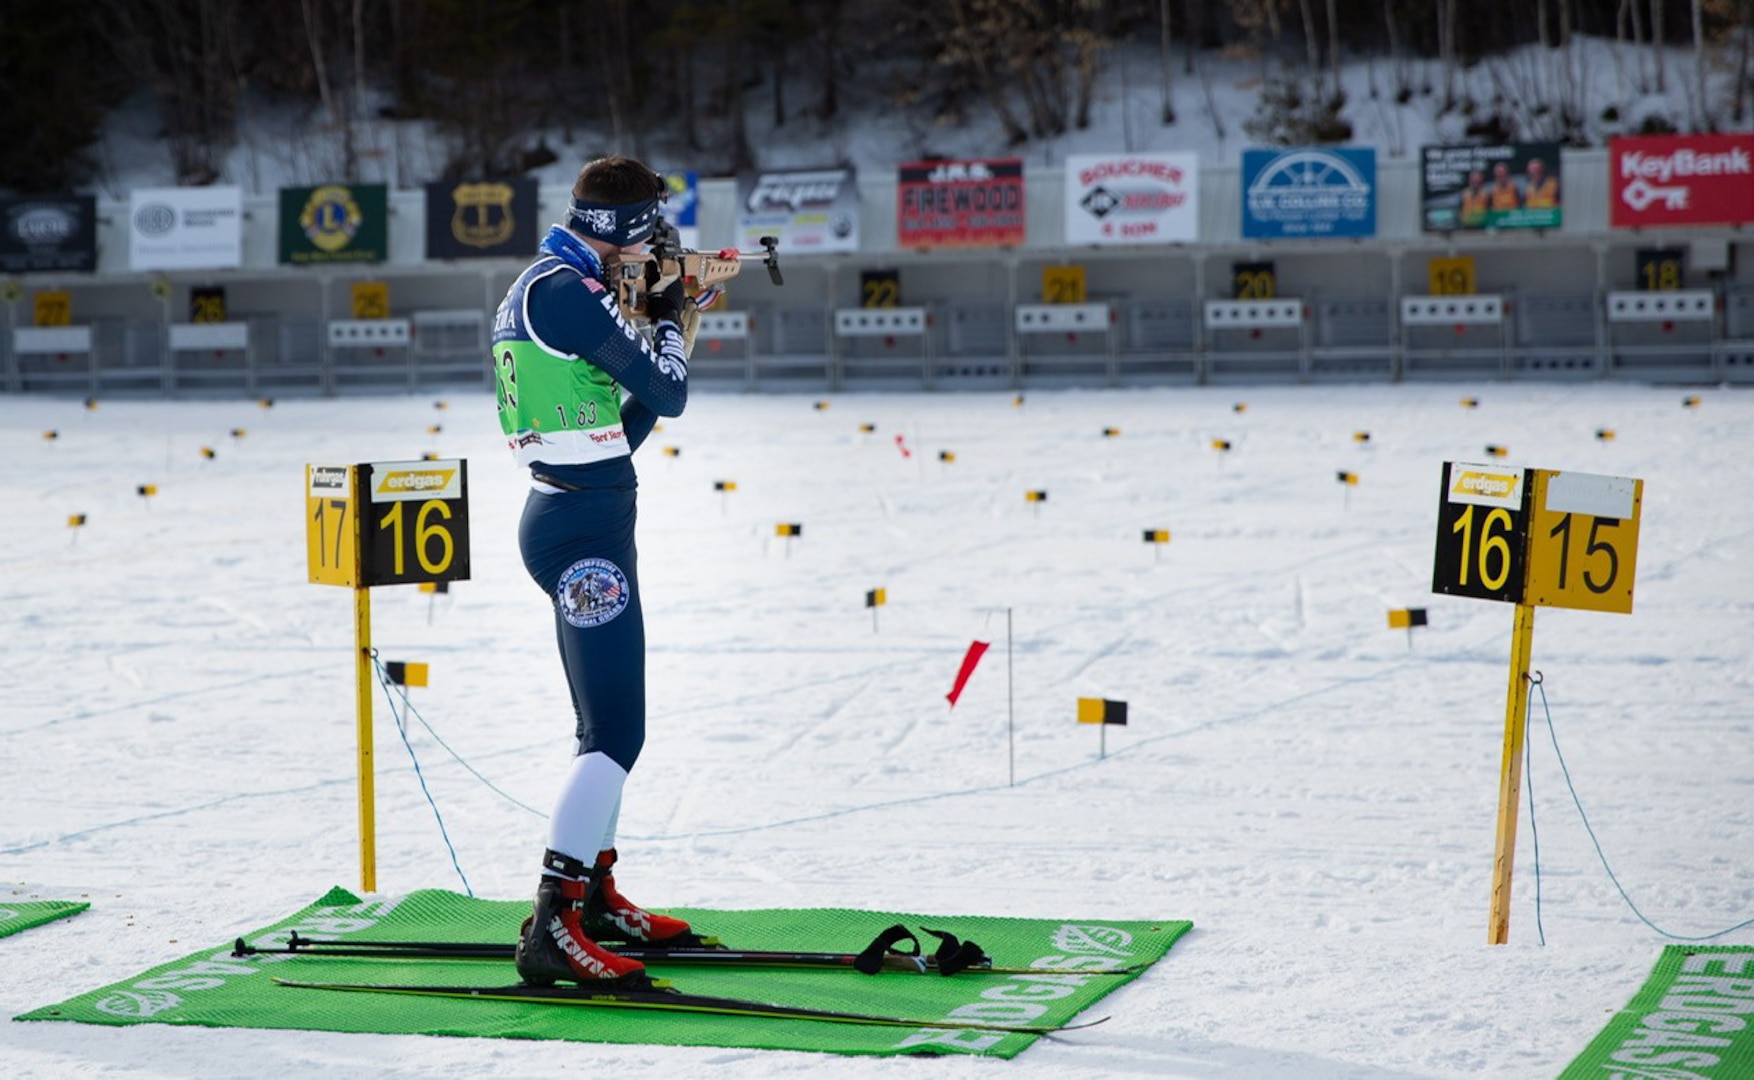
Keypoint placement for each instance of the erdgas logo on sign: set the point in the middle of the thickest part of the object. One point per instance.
(1487, 485)
(433, 483)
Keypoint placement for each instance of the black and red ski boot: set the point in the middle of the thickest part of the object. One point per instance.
(554, 944)
(613, 917)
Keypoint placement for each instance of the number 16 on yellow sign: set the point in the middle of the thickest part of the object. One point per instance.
(1532, 537)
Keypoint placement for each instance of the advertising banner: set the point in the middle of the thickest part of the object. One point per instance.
(481, 219)
(809, 210)
(1681, 180)
(48, 233)
(1309, 192)
(960, 204)
(1132, 198)
(682, 207)
(1514, 186)
(185, 228)
(334, 223)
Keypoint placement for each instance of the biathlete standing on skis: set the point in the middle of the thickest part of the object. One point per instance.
(563, 352)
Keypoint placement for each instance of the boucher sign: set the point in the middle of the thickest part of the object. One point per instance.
(1681, 180)
(1132, 198)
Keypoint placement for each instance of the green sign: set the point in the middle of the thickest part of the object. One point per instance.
(334, 223)
(1690, 1019)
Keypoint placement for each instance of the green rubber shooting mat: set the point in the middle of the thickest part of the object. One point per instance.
(25, 914)
(213, 988)
(1693, 1018)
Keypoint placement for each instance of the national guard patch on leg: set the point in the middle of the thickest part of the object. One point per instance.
(591, 592)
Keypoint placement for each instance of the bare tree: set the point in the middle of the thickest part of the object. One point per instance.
(1167, 115)
(1656, 42)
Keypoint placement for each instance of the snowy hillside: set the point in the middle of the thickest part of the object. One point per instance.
(1611, 86)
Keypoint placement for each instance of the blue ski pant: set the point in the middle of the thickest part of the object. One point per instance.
(578, 546)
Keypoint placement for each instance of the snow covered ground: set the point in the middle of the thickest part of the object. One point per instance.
(1314, 792)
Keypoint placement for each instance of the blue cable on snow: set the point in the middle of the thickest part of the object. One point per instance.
(1553, 734)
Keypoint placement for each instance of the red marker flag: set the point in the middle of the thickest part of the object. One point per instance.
(976, 649)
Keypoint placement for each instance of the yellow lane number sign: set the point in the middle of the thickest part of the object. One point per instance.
(331, 525)
(1583, 540)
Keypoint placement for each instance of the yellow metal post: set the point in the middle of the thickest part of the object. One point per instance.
(362, 664)
(1510, 779)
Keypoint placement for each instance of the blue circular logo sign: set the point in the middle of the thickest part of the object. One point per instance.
(591, 592)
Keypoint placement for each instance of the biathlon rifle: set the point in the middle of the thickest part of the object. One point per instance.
(634, 276)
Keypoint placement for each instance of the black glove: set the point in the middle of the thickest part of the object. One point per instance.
(666, 303)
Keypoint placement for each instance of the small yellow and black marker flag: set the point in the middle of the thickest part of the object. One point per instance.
(208, 453)
(1240, 407)
(1497, 451)
(876, 597)
(1101, 711)
(1017, 402)
(820, 406)
(146, 491)
(867, 428)
(238, 433)
(1605, 434)
(266, 403)
(1157, 538)
(672, 451)
(91, 404)
(724, 485)
(434, 429)
(75, 521)
(51, 435)
(1221, 445)
(1347, 478)
(430, 455)
(1111, 432)
(1691, 401)
(1035, 496)
(432, 589)
(947, 456)
(1470, 403)
(1407, 618)
(657, 429)
(405, 673)
(1104, 712)
(788, 529)
(440, 406)
(1361, 436)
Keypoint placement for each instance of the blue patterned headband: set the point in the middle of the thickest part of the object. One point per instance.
(616, 224)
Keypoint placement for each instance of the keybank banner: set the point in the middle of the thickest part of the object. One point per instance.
(186, 228)
(1313, 191)
(1514, 186)
(1680, 180)
(48, 233)
(809, 210)
(334, 223)
(481, 219)
(974, 203)
(1132, 198)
